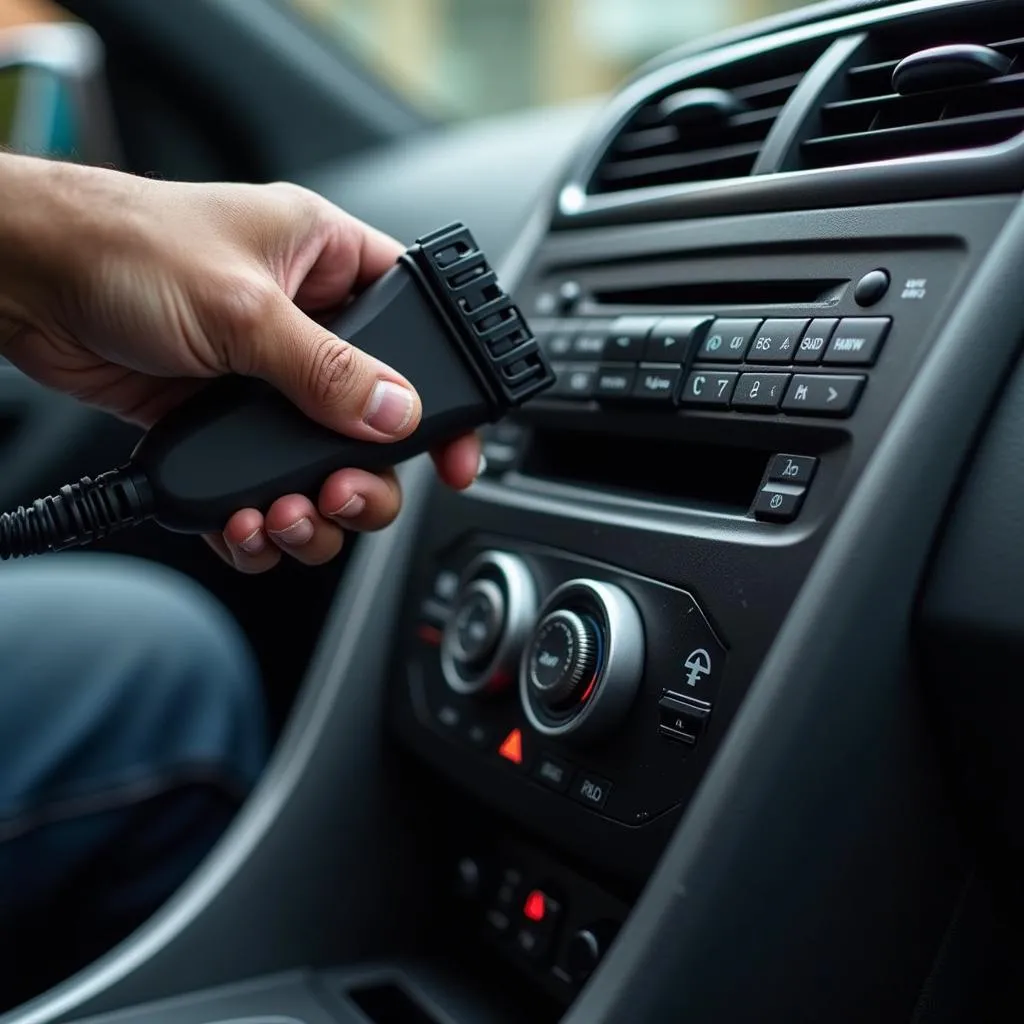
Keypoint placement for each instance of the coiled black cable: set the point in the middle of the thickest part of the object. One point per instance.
(77, 514)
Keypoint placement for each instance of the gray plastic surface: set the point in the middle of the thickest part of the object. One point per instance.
(289, 998)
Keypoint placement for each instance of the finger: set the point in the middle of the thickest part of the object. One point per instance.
(295, 526)
(459, 463)
(330, 380)
(246, 543)
(358, 500)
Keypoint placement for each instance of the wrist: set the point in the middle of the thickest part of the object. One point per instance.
(54, 218)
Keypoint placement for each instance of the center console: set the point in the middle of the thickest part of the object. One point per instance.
(582, 625)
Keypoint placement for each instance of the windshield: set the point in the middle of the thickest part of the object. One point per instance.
(467, 58)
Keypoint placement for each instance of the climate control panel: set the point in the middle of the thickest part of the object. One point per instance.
(528, 670)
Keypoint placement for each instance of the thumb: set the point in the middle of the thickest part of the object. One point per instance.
(330, 380)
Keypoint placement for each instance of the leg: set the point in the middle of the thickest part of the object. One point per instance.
(131, 729)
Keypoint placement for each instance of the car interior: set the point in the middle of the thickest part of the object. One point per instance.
(699, 705)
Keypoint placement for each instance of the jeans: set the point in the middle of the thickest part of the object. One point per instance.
(131, 729)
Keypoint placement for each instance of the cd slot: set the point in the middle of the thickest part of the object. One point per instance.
(720, 293)
(706, 476)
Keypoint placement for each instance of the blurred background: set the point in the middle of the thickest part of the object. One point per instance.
(457, 59)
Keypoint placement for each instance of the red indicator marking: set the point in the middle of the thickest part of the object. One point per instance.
(589, 690)
(536, 906)
(512, 747)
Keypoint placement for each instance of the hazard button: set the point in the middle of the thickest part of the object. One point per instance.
(511, 747)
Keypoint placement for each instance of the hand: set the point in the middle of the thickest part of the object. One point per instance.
(126, 293)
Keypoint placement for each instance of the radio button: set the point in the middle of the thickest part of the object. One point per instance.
(708, 389)
(727, 341)
(588, 344)
(627, 338)
(557, 344)
(815, 340)
(760, 391)
(792, 469)
(615, 381)
(674, 339)
(656, 383)
(821, 395)
(776, 341)
(778, 503)
(573, 380)
(857, 341)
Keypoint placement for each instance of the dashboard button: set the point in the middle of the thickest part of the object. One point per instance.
(614, 381)
(591, 790)
(627, 338)
(792, 469)
(557, 344)
(857, 341)
(815, 340)
(759, 391)
(553, 772)
(681, 719)
(573, 380)
(823, 395)
(727, 341)
(709, 389)
(656, 383)
(673, 339)
(778, 502)
(776, 341)
(588, 344)
(871, 288)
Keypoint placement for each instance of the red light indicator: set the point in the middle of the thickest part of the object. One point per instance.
(536, 906)
(512, 747)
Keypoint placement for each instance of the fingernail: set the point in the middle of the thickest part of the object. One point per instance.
(353, 507)
(299, 533)
(390, 409)
(254, 543)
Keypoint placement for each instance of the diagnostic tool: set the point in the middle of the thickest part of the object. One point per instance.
(439, 317)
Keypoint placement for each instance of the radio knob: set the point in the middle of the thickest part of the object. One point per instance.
(494, 612)
(563, 658)
(581, 669)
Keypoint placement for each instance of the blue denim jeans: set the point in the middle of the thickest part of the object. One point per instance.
(131, 729)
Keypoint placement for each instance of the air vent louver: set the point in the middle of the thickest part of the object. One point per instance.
(871, 121)
(709, 127)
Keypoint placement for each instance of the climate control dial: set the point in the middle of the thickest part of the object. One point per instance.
(493, 614)
(582, 665)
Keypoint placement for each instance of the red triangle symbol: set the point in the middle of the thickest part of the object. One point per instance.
(512, 747)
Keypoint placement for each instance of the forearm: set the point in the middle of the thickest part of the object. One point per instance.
(55, 219)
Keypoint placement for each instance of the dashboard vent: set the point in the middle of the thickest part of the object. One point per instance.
(709, 127)
(945, 110)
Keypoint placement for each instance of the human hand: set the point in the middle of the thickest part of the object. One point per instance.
(127, 292)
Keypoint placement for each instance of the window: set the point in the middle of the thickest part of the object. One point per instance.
(468, 58)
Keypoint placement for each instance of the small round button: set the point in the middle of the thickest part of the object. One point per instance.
(586, 948)
(871, 288)
(569, 294)
(563, 658)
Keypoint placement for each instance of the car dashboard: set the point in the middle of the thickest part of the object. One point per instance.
(681, 711)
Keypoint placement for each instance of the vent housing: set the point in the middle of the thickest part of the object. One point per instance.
(868, 121)
(659, 148)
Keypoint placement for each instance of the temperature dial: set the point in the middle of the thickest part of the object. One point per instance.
(494, 611)
(582, 666)
(564, 658)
